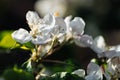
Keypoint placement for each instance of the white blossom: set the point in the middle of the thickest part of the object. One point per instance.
(61, 29)
(84, 41)
(113, 62)
(67, 21)
(21, 36)
(43, 30)
(113, 67)
(33, 19)
(113, 51)
(77, 25)
(69, 29)
(75, 28)
(94, 72)
(99, 46)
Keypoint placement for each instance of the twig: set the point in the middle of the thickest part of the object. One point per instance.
(58, 62)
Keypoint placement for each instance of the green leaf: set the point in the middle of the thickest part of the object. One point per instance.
(28, 46)
(4, 33)
(17, 74)
(6, 40)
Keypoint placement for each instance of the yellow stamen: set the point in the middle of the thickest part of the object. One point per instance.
(56, 14)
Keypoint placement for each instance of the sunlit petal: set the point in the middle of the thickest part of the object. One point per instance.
(84, 41)
(77, 25)
(32, 18)
(21, 36)
(99, 45)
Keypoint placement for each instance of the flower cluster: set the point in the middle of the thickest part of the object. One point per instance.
(94, 72)
(51, 26)
(47, 32)
(111, 53)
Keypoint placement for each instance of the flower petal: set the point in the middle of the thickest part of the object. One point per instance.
(99, 46)
(32, 18)
(84, 41)
(21, 36)
(94, 72)
(49, 20)
(92, 68)
(60, 30)
(61, 24)
(69, 29)
(113, 51)
(68, 19)
(77, 25)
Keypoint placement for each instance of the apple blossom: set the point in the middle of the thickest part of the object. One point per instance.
(42, 30)
(75, 28)
(84, 41)
(77, 25)
(21, 36)
(94, 72)
(113, 67)
(99, 46)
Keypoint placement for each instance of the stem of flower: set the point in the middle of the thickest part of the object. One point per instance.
(58, 62)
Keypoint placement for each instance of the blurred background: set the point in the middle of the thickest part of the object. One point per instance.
(102, 17)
